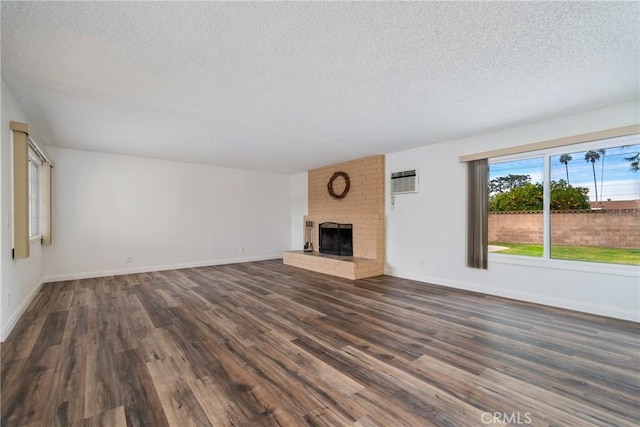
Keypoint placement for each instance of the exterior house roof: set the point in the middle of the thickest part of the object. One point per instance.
(616, 204)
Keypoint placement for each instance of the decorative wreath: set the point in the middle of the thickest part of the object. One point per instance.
(347, 185)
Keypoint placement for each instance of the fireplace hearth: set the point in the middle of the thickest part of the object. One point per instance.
(336, 239)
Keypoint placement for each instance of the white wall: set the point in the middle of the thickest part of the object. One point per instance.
(426, 231)
(22, 278)
(299, 208)
(162, 214)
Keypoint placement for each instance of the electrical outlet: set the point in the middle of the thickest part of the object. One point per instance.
(129, 259)
(240, 250)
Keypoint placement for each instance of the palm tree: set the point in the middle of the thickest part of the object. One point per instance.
(565, 159)
(593, 156)
(602, 151)
(635, 162)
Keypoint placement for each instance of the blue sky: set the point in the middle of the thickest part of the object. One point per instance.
(619, 182)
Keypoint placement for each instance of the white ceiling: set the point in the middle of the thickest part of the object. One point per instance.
(286, 87)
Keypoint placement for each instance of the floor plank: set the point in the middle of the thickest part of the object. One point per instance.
(266, 344)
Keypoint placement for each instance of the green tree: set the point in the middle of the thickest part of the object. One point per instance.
(529, 197)
(502, 184)
(593, 156)
(526, 197)
(565, 159)
(565, 197)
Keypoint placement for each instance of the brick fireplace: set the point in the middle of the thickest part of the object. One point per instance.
(362, 208)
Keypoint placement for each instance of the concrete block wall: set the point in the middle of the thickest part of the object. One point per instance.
(604, 229)
(610, 229)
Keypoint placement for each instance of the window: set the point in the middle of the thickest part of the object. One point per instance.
(515, 221)
(579, 202)
(35, 205)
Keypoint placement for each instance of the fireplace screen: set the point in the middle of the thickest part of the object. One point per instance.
(336, 239)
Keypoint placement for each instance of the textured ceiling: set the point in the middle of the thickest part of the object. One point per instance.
(286, 87)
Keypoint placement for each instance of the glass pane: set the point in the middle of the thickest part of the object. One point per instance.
(595, 196)
(34, 202)
(515, 207)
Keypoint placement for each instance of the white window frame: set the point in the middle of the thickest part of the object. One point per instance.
(34, 161)
(546, 261)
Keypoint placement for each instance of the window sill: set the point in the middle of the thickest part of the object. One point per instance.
(561, 264)
(35, 239)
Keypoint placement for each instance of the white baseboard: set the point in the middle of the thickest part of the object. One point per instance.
(152, 268)
(568, 304)
(6, 329)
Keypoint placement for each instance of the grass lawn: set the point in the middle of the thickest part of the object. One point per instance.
(581, 253)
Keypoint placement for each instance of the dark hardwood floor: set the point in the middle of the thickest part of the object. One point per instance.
(265, 344)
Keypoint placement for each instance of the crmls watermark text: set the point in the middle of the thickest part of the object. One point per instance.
(513, 418)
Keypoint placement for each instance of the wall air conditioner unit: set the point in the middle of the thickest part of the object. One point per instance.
(404, 182)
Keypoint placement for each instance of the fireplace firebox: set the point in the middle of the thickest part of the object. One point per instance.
(336, 239)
